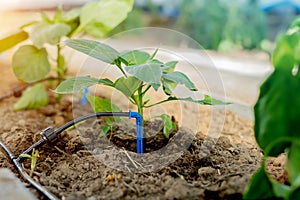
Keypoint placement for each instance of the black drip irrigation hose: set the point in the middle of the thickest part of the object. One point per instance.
(50, 135)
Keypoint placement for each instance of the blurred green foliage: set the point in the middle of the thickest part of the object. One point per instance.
(204, 23)
(222, 25)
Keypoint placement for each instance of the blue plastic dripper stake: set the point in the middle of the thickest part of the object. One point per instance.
(83, 98)
(139, 131)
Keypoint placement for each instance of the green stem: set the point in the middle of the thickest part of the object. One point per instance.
(148, 87)
(140, 100)
(60, 63)
(163, 101)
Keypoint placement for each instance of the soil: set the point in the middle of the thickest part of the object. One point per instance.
(82, 165)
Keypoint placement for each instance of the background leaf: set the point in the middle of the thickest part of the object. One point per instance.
(277, 109)
(30, 64)
(264, 191)
(180, 78)
(148, 72)
(94, 49)
(43, 33)
(12, 40)
(34, 97)
(98, 18)
(135, 57)
(102, 105)
(77, 84)
(284, 55)
(293, 164)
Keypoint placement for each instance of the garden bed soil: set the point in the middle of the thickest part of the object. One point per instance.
(82, 165)
(210, 168)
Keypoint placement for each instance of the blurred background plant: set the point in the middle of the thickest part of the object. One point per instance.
(33, 60)
(218, 24)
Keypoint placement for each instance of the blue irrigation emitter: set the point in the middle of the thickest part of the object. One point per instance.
(139, 131)
(83, 97)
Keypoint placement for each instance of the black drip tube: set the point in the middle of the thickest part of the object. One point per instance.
(50, 135)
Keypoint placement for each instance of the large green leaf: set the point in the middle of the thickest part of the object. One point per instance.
(34, 97)
(284, 55)
(135, 57)
(98, 18)
(260, 186)
(277, 109)
(128, 86)
(148, 72)
(77, 84)
(102, 105)
(30, 64)
(12, 40)
(293, 163)
(180, 78)
(43, 33)
(94, 49)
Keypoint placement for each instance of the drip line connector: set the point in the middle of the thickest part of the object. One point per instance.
(49, 134)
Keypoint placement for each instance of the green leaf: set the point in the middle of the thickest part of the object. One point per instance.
(135, 57)
(260, 186)
(283, 56)
(108, 121)
(98, 18)
(277, 146)
(148, 72)
(43, 33)
(169, 66)
(77, 84)
(180, 78)
(293, 163)
(296, 23)
(295, 194)
(168, 124)
(72, 14)
(104, 130)
(25, 156)
(30, 64)
(34, 97)
(102, 105)
(208, 100)
(280, 190)
(168, 86)
(12, 40)
(277, 109)
(94, 49)
(128, 86)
